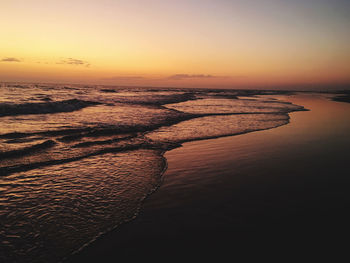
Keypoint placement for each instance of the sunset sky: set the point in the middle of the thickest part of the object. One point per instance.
(194, 43)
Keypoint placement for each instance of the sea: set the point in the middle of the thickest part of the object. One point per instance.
(77, 161)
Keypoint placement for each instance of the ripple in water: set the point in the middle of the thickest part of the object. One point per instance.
(77, 161)
(59, 208)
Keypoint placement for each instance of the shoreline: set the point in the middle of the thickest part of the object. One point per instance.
(133, 236)
(180, 144)
(152, 191)
(115, 228)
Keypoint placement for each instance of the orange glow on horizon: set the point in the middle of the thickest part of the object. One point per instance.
(127, 43)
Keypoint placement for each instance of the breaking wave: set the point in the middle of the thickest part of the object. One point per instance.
(44, 107)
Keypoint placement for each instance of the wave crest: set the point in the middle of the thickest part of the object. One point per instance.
(44, 107)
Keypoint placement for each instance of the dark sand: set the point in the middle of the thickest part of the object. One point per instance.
(283, 191)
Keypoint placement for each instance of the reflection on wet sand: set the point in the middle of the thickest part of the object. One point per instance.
(77, 161)
(280, 190)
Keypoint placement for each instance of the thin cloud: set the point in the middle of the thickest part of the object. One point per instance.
(10, 59)
(190, 76)
(75, 62)
(124, 78)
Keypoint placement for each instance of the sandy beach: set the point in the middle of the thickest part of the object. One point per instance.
(283, 188)
(64, 186)
(186, 131)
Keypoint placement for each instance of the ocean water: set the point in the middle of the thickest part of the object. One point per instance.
(77, 161)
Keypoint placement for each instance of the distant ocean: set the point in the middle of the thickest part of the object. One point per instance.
(77, 161)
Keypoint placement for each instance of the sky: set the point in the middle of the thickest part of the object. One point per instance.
(193, 43)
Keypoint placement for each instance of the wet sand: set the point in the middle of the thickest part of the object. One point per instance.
(284, 189)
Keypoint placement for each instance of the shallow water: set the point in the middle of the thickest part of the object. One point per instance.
(276, 193)
(77, 161)
(314, 143)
